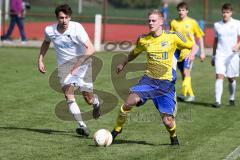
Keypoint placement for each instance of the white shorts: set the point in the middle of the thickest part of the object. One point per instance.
(228, 66)
(82, 79)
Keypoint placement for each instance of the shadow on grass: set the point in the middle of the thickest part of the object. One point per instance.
(45, 131)
(204, 104)
(121, 141)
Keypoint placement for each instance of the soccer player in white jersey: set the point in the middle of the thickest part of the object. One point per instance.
(225, 57)
(73, 50)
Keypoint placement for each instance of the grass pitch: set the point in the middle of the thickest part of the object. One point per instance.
(30, 128)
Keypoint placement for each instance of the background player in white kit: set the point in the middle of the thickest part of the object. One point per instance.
(73, 50)
(225, 59)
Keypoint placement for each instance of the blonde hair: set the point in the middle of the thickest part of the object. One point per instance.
(155, 11)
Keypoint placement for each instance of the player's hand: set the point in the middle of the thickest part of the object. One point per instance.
(41, 67)
(202, 57)
(190, 57)
(213, 61)
(192, 54)
(119, 68)
(235, 48)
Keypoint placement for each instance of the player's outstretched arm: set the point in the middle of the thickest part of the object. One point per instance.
(43, 51)
(120, 66)
(88, 53)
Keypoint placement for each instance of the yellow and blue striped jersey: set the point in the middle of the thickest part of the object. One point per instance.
(162, 53)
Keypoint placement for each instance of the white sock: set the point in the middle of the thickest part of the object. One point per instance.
(232, 89)
(96, 101)
(218, 90)
(74, 109)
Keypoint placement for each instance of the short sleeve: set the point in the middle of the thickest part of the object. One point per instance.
(197, 30)
(171, 25)
(46, 38)
(82, 35)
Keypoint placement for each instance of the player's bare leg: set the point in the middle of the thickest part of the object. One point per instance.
(232, 90)
(75, 110)
(218, 90)
(131, 101)
(169, 122)
(92, 99)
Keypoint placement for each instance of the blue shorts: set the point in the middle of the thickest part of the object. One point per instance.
(162, 93)
(185, 64)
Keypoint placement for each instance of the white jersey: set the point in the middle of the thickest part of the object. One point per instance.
(68, 45)
(227, 34)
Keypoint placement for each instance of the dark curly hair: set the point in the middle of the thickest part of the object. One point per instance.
(65, 8)
(227, 6)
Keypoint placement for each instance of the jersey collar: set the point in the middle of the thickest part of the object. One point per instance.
(58, 33)
(152, 34)
(228, 21)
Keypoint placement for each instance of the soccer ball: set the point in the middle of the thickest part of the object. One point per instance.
(102, 137)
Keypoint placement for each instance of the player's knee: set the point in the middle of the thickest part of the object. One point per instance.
(167, 120)
(231, 80)
(68, 92)
(132, 100)
(219, 76)
(89, 100)
(129, 104)
(88, 97)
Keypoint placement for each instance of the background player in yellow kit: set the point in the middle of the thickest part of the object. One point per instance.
(190, 29)
(163, 50)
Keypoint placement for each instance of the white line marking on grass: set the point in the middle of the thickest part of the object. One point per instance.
(234, 155)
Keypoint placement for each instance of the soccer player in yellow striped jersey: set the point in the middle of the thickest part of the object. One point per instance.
(163, 50)
(191, 30)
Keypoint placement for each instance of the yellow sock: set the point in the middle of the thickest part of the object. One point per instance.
(190, 91)
(185, 85)
(121, 119)
(172, 131)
